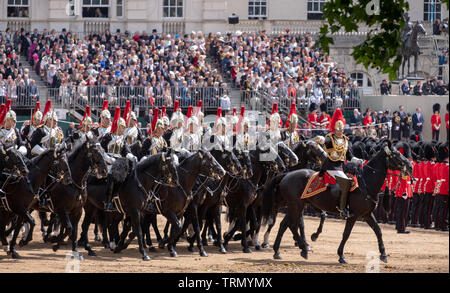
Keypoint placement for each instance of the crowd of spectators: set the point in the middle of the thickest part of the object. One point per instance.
(285, 66)
(153, 67)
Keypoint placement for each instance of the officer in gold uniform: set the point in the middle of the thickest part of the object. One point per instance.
(336, 147)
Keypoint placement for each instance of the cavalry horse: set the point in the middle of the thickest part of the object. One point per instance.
(285, 191)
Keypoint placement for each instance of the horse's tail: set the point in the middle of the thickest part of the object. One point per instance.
(269, 199)
(386, 201)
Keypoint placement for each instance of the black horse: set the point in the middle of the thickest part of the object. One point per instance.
(67, 200)
(285, 190)
(21, 194)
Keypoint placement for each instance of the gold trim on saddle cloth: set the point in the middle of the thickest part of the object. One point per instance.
(314, 187)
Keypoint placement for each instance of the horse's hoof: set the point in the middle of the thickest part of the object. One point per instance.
(247, 250)
(15, 255)
(296, 244)
(78, 256)
(45, 237)
(161, 245)
(97, 238)
(223, 250)
(304, 253)
(258, 247)
(146, 258)
(203, 253)
(216, 243)
(342, 260)
(91, 253)
(106, 245)
(152, 249)
(55, 247)
(277, 255)
(173, 254)
(21, 243)
(117, 250)
(191, 248)
(383, 258)
(314, 237)
(308, 248)
(265, 245)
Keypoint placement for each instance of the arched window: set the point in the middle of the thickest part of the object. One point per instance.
(363, 81)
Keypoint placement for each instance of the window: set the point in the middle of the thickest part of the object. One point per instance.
(363, 81)
(257, 9)
(18, 8)
(358, 77)
(173, 8)
(315, 8)
(431, 10)
(96, 8)
(120, 8)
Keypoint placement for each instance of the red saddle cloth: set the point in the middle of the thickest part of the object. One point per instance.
(318, 184)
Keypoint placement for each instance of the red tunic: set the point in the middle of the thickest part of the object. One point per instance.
(435, 122)
(312, 120)
(394, 179)
(323, 119)
(430, 173)
(422, 177)
(404, 187)
(416, 176)
(443, 185)
(446, 119)
(367, 120)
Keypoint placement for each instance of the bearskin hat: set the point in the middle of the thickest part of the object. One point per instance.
(323, 107)
(436, 107)
(312, 107)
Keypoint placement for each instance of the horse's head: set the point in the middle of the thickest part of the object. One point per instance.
(95, 157)
(168, 168)
(244, 158)
(210, 166)
(287, 155)
(13, 160)
(396, 161)
(60, 165)
(420, 28)
(314, 152)
(271, 160)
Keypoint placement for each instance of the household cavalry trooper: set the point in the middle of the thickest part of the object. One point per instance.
(132, 133)
(244, 140)
(30, 126)
(220, 138)
(9, 135)
(336, 147)
(274, 125)
(105, 121)
(85, 126)
(176, 124)
(158, 143)
(116, 146)
(202, 128)
(48, 134)
(166, 122)
(191, 140)
(232, 132)
(290, 136)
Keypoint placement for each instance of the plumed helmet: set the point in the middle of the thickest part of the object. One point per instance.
(165, 120)
(275, 119)
(115, 122)
(105, 112)
(11, 115)
(87, 120)
(37, 114)
(338, 121)
(436, 107)
(221, 121)
(234, 118)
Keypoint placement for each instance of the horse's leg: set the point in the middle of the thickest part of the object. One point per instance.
(154, 222)
(103, 221)
(266, 235)
(96, 234)
(295, 216)
(281, 230)
(409, 71)
(65, 229)
(12, 243)
(29, 219)
(123, 235)
(217, 219)
(74, 220)
(314, 236)
(348, 229)
(373, 224)
(415, 65)
(254, 227)
(136, 224)
(3, 238)
(43, 218)
(89, 215)
(174, 232)
(301, 225)
(145, 226)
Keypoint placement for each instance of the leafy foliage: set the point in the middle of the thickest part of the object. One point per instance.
(381, 49)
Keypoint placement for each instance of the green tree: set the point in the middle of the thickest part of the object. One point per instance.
(380, 49)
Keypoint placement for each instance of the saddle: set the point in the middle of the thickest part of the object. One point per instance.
(317, 184)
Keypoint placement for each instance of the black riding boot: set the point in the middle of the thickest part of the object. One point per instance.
(109, 207)
(344, 184)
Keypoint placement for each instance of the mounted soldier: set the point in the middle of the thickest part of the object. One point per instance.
(132, 133)
(244, 140)
(274, 125)
(158, 143)
(290, 136)
(30, 126)
(191, 140)
(85, 126)
(407, 29)
(105, 121)
(337, 150)
(9, 134)
(176, 123)
(220, 128)
(48, 134)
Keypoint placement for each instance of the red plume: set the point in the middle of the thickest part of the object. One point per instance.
(127, 112)
(48, 106)
(401, 150)
(218, 115)
(36, 108)
(116, 120)
(199, 107)
(189, 113)
(105, 105)
(87, 113)
(163, 110)
(275, 108)
(8, 105)
(234, 111)
(155, 119)
(337, 115)
(176, 106)
(2, 113)
(241, 116)
(292, 111)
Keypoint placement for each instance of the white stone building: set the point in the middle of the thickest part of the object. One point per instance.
(183, 16)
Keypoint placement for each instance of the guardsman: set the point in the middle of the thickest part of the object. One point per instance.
(166, 122)
(158, 143)
(336, 147)
(406, 124)
(324, 118)
(105, 121)
(290, 136)
(85, 125)
(441, 190)
(396, 127)
(30, 126)
(447, 123)
(274, 125)
(132, 133)
(177, 129)
(9, 134)
(436, 121)
(430, 180)
(191, 140)
(313, 118)
(202, 128)
(47, 135)
(403, 194)
(221, 131)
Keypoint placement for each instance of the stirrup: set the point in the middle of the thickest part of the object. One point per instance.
(344, 214)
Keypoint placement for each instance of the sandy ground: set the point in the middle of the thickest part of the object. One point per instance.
(419, 251)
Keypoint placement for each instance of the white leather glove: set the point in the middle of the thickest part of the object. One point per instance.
(131, 157)
(23, 150)
(357, 161)
(108, 159)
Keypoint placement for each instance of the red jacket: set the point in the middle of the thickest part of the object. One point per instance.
(312, 120)
(404, 187)
(394, 179)
(421, 174)
(323, 119)
(443, 185)
(446, 119)
(430, 172)
(367, 120)
(416, 176)
(435, 122)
